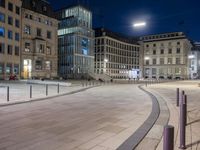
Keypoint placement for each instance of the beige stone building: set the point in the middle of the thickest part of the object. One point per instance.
(39, 40)
(116, 55)
(166, 55)
(10, 34)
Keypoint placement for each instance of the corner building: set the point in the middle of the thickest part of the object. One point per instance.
(10, 35)
(116, 56)
(39, 40)
(166, 55)
(75, 42)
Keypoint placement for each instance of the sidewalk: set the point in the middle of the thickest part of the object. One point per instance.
(168, 92)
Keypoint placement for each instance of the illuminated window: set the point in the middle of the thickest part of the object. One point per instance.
(27, 29)
(17, 36)
(2, 32)
(2, 17)
(27, 47)
(10, 34)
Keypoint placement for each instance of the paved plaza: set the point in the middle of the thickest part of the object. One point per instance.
(101, 118)
(20, 91)
(168, 92)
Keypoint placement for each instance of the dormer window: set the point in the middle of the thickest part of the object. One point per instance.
(44, 8)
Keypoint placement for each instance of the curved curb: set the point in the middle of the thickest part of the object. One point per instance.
(46, 98)
(154, 136)
(133, 141)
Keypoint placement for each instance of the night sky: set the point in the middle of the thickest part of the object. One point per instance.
(161, 15)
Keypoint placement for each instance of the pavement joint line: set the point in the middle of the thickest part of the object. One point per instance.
(46, 98)
(133, 141)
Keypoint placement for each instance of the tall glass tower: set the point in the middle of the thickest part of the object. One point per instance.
(75, 42)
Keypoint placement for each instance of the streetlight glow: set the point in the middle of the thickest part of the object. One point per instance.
(139, 24)
(106, 60)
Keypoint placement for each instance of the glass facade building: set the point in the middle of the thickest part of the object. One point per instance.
(75, 42)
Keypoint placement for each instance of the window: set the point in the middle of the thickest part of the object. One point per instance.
(2, 17)
(147, 62)
(154, 45)
(27, 47)
(17, 23)
(16, 69)
(48, 34)
(17, 10)
(10, 6)
(178, 43)
(44, 8)
(1, 68)
(161, 61)
(48, 50)
(9, 49)
(2, 48)
(154, 52)
(169, 51)
(169, 61)
(48, 65)
(177, 60)
(38, 65)
(39, 32)
(153, 71)
(178, 50)
(162, 51)
(154, 61)
(17, 50)
(177, 71)
(2, 32)
(8, 68)
(2, 3)
(41, 48)
(17, 36)
(147, 45)
(10, 20)
(10, 34)
(27, 29)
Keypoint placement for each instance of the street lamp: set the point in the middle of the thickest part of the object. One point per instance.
(139, 24)
(106, 60)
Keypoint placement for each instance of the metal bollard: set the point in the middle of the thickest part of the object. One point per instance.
(58, 88)
(185, 102)
(30, 91)
(46, 89)
(177, 97)
(182, 122)
(168, 138)
(8, 94)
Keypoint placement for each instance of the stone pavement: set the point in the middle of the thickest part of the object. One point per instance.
(20, 91)
(168, 92)
(100, 118)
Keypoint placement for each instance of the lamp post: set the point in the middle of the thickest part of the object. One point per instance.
(190, 57)
(105, 61)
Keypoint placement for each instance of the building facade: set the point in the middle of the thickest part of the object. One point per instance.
(116, 56)
(39, 55)
(166, 56)
(10, 34)
(75, 42)
(194, 61)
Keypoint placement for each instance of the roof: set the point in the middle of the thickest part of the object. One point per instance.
(38, 6)
(118, 36)
(73, 5)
